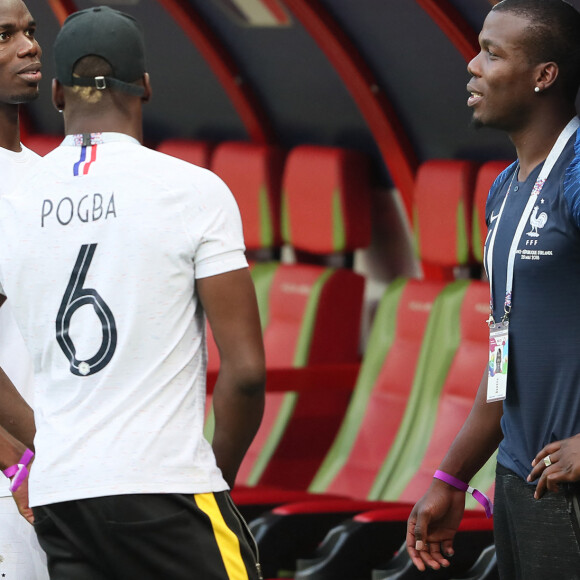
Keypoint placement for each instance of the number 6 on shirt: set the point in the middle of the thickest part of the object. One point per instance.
(75, 297)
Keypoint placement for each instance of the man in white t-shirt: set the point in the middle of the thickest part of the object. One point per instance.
(20, 555)
(123, 252)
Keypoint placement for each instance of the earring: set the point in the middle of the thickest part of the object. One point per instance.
(60, 110)
(537, 90)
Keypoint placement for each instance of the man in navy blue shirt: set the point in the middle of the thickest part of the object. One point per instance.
(524, 81)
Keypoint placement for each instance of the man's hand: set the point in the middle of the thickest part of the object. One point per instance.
(432, 526)
(21, 498)
(556, 463)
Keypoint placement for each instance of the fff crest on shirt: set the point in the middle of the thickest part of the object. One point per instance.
(538, 220)
(90, 207)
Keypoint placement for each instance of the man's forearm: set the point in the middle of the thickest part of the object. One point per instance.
(477, 439)
(15, 414)
(238, 412)
(230, 303)
(11, 450)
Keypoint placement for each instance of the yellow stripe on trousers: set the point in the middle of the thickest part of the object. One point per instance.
(228, 543)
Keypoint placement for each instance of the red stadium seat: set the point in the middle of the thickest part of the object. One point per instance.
(358, 449)
(190, 150)
(254, 174)
(314, 314)
(326, 201)
(444, 379)
(442, 215)
(338, 555)
(382, 390)
(456, 398)
(311, 313)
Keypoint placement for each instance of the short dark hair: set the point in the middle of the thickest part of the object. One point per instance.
(554, 27)
(92, 66)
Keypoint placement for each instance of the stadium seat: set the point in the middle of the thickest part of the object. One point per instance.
(427, 439)
(311, 314)
(254, 174)
(190, 150)
(382, 390)
(372, 441)
(351, 466)
(408, 475)
(326, 201)
(437, 427)
(314, 313)
(442, 216)
(437, 406)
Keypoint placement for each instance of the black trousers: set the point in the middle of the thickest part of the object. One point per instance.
(536, 539)
(147, 537)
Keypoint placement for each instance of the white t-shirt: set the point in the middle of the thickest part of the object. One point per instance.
(101, 247)
(14, 357)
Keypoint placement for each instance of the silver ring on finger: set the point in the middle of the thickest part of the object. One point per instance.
(547, 461)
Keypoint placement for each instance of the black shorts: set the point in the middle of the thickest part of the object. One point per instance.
(147, 536)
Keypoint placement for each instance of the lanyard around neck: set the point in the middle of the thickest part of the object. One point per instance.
(553, 156)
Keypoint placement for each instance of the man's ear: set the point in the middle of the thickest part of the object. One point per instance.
(546, 75)
(57, 95)
(147, 84)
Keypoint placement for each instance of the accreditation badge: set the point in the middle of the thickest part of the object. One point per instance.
(498, 361)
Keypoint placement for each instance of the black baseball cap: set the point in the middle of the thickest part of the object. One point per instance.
(107, 33)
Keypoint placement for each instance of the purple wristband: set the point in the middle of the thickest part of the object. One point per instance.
(479, 497)
(18, 473)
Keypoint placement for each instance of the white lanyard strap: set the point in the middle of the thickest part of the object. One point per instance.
(553, 156)
(491, 245)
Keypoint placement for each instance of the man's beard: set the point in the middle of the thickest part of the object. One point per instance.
(476, 124)
(23, 98)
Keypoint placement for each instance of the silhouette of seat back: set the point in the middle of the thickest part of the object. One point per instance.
(254, 174)
(326, 200)
(442, 215)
